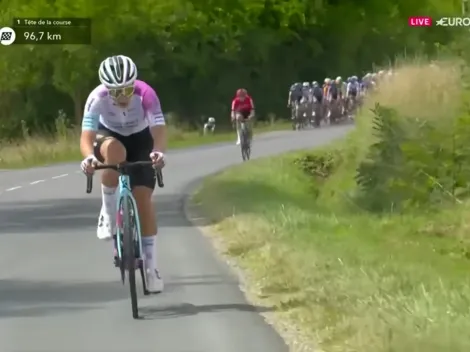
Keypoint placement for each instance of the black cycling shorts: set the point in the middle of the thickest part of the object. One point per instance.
(245, 114)
(138, 148)
(295, 99)
(352, 93)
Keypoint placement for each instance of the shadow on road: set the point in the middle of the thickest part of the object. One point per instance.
(70, 214)
(166, 311)
(21, 298)
(187, 309)
(26, 298)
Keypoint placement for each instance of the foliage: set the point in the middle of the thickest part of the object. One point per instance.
(414, 162)
(197, 53)
(319, 166)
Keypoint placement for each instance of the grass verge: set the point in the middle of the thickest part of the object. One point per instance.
(63, 147)
(339, 277)
(344, 281)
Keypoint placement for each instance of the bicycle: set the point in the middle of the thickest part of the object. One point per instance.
(245, 140)
(128, 240)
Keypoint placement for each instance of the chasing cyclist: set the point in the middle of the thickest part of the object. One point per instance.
(123, 121)
(293, 100)
(242, 108)
(352, 91)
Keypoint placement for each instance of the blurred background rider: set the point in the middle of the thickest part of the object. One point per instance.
(209, 126)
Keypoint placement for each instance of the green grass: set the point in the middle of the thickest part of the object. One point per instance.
(342, 280)
(63, 147)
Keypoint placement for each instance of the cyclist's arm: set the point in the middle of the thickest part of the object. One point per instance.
(347, 89)
(90, 121)
(156, 120)
(289, 98)
(252, 105)
(234, 106)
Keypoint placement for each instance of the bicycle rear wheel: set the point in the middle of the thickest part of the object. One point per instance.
(128, 235)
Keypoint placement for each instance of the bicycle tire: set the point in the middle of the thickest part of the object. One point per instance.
(243, 141)
(129, 254)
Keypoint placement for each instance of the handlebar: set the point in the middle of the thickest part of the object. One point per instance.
(122, 168)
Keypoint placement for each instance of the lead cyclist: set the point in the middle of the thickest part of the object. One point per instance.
(123, 121)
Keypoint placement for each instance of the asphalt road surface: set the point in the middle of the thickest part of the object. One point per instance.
(59, 291)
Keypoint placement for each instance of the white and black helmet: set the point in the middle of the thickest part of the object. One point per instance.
(117, 71)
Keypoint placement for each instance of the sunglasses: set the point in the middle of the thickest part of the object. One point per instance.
(125, 92)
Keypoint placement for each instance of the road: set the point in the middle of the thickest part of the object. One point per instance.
(60, 292)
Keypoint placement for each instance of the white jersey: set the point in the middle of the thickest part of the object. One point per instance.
(353, 87)
(143, 111)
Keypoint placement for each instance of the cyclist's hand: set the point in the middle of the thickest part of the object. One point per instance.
(88, 164)
(158, 158)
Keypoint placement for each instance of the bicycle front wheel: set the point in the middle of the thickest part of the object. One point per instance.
(128, 235)
(244, 142)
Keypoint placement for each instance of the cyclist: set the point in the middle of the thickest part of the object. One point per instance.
(242, 107)
(326, 96)
(335, 100)
(295, 95)
(341, 91)
(317, 92)
(326, 88)
(209, 125)
(352, 91)
(123, 121)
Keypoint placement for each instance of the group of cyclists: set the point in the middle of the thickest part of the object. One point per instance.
(335, 99)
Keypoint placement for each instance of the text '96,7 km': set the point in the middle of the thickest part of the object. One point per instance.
(39, 36)
(52, 35)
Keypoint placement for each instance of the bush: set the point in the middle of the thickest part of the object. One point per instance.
(319, 166)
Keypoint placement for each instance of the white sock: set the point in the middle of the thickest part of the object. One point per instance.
(149, 244)
(109, 201)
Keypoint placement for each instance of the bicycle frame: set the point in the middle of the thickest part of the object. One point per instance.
(125, 193)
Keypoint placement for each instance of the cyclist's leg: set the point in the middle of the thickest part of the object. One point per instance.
(237, 126)
(109, 149)
(143, 184)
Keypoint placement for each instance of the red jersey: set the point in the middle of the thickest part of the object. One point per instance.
(245, 105)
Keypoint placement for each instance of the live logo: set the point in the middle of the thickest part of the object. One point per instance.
(420, 21)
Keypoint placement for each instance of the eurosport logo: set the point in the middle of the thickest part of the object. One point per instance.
(454, 22)
(426, 21)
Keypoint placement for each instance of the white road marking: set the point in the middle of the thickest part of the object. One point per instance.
(36, 182)
(60, 176)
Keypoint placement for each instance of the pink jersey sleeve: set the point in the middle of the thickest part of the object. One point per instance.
(234, 104)
(151, 104)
